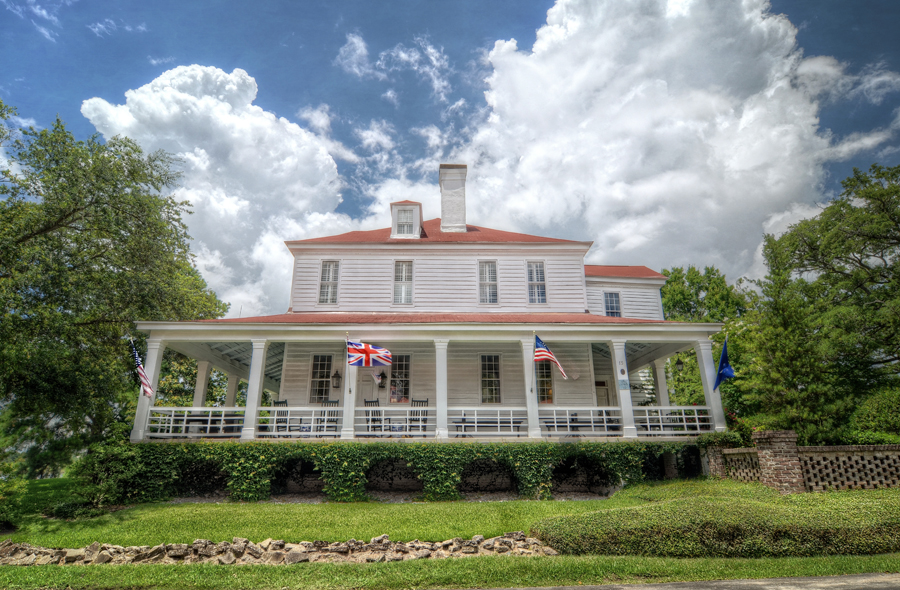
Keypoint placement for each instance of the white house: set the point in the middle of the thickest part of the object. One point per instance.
(458, 307)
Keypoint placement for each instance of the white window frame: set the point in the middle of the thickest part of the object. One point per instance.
(309, 380)
(618, 302)
(529, 283)
(410, 282)
(496, 282)
(335, 282)
(478, 360)
(391, 378)
(411, 223)
(553, 401)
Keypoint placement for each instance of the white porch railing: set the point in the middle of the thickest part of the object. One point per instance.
(396, 422)
(580, 421)
(487, 421)
(299, 422)
(672, 420)
(194, 422)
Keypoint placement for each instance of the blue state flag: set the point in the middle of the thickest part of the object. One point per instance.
(725, 369)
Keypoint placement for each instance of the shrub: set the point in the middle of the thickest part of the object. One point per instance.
(880, 413)
(12, 490)
(126, 473)
(760, 524)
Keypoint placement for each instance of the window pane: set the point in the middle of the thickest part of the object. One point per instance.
(487, 282)
(400, 378)
(405, 221)
(544, 382)
(537, 290)
(490, 379)
(613, 307)
(537, 294)
(488, 294)
(320, 379)
(329, 282)
(403, 282)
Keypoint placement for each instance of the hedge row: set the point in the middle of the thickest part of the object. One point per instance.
(128, 473)
(838, 523)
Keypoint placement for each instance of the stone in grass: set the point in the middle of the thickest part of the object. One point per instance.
(477, 539)
(254, 550)
(264, 545)
(103, 557)
(549, 551)
(292, 557)
(74, 555)
(515, 536)
(151, 554)
(274, 557)
(45, 559)
(375, 557)
(226, 558)
(178, 550)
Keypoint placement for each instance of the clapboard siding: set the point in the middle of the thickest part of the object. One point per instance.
(296, 367)
(464, 373)
(637, 302)
(422, 375)
(442, 282)
(578, 389)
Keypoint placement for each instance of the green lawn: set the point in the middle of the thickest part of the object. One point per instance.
(172, 523)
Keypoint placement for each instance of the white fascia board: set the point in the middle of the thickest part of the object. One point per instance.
(581, 247)
(187, 331)
(643, 281)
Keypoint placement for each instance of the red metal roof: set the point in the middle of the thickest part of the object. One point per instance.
(432, 318)
(431, 233)
(633, 272)
(406, 202)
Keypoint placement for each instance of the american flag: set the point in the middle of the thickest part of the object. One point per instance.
(542, 353)
(360, 354)
(145, 382)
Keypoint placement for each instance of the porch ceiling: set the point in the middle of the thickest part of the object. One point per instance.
(640, 354)
(240, 352)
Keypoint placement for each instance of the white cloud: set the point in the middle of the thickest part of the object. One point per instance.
(391, 96)
(377, 136)
(353, 58)
(252, 178)
(668, 133)
(47, 33)
(155, 61)
(108, 26)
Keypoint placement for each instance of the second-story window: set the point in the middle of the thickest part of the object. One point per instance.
(487, 282)
(328, 285)
(404, 222)
(537, 288)
(403, 282)
(490, 378)
(613, 308)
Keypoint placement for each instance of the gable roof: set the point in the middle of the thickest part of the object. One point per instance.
(431, 318)
(431, 233)
(630, 272)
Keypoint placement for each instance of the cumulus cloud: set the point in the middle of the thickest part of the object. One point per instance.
(668, 133)
(252, 178)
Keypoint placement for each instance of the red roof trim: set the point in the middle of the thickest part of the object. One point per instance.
(432, 318)
(431, 233)
(632, 272)
(407, 202)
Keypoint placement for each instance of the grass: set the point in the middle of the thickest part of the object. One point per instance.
(162, 522)
(477, 572)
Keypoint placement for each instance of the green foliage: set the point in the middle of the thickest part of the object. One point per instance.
(724, 440)
(89, 243)
(735, 520)
(12, 490)
(125, 473)
(880, 413)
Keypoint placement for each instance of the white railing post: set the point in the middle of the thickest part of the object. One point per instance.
(348, 428)
(441, 429)
(662, 385)
(531, 405)
(254, 387)
(703, 348)
(623, 386)
(152, 366)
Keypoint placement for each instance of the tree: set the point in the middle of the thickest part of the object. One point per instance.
(89, 243)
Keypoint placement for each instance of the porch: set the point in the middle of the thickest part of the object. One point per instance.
(447, 382)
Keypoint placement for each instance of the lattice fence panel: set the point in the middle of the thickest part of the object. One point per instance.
(742, 466)
(842, 470)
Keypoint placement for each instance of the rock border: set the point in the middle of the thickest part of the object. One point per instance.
(242, 551)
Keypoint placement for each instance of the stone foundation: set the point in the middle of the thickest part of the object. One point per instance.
(270, 552)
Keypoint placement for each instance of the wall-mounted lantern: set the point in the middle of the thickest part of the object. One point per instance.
(382, 379)
(336, 380)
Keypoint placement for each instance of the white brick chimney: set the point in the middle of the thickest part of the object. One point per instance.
(453, 197)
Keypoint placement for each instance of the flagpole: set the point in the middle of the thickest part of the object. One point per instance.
(534, 387)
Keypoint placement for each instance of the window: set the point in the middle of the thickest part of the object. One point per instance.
(400, 379)
(320, 379)
(487, 282)
(329, 283)
(403, 282)
(490, 378)
(613, 309)
(544, 372)
(537, 289)
(404, 222)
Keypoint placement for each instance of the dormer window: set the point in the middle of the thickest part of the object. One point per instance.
(404, 222)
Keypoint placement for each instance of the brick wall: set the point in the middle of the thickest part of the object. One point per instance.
(779, 463)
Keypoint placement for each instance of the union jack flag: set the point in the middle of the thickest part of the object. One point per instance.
(360, 354)
(542, 353)
(145, 382)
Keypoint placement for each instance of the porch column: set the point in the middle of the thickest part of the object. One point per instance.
(348, 424)
(203, 369)
(662, 386)
(623, 386)
(152, 366)
(703, 348)
(254, 387)
(231, 390)
(441, 429)
(531, 404)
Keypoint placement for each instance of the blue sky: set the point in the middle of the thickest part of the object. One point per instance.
(669, 132)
